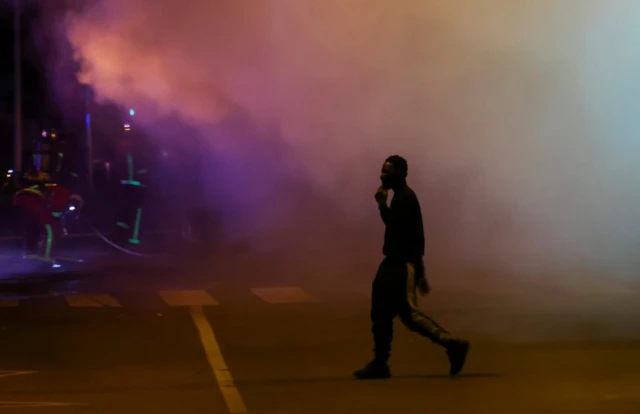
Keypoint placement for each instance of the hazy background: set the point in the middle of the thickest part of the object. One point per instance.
(517, 118)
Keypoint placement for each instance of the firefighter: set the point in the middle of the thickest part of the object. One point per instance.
(41, 208)
(132, 195)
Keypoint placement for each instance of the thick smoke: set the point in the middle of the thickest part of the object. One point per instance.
(516, 117)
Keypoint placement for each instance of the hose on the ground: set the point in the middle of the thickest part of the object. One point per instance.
(112, 244)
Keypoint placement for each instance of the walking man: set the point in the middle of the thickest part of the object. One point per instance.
(401, 274)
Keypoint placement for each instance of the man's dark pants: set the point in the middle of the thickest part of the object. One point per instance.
(395, 294)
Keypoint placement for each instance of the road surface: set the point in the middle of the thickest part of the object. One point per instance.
(246, 337)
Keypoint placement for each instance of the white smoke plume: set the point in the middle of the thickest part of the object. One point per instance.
(517, 118)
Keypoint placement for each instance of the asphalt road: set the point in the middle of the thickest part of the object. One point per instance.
(245, 336)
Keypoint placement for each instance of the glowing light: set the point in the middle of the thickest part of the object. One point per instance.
(44, 134)
(132, 112)
(10, 171)
(72, 208)
(127, 127)
(56, 266)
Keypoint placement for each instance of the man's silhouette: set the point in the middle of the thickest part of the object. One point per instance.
(401, 274)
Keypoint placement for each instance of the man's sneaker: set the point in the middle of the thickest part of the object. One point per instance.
(457, 353)
(373, 370)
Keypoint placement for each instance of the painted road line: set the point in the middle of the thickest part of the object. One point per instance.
(177, 298)
(8, 303)
(283, 295)
(231, 395)
(14, 373)
(95, 301)
(107, 300)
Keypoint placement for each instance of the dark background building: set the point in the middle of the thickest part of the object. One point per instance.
(41, 52)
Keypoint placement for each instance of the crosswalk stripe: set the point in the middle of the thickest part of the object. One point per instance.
(277, 295)
(107, 300)
(178, 298)
(81, 301)
(96, 301)
(8, 303)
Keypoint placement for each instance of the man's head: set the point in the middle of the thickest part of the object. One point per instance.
(394, 172)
